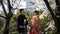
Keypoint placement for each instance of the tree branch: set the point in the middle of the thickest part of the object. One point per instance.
(9, 6)
(3, 7)
(2, 16)
(50, 9)
(57, 21)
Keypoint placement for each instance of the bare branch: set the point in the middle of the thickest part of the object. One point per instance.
(3, 8)
(2, 16)
(50, 9)
(9, 6)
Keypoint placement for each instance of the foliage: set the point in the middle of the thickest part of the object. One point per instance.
(13, 25)
(44, 22)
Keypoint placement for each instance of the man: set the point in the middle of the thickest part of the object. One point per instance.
(22, 23)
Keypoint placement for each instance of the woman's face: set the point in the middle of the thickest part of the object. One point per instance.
(34, 13)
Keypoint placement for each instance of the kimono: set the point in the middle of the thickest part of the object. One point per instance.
(35, 25)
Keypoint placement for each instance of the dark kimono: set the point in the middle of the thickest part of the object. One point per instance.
(22, 21)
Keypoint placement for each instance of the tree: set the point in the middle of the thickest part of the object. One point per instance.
(7, 16)
(56, 16)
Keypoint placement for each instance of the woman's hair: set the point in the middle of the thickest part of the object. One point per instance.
(36, 12)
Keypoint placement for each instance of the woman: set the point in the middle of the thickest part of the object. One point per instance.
(35, 24)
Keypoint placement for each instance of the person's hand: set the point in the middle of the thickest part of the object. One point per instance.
(21, 26)
(25, 27)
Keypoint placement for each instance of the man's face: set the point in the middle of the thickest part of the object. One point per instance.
(22, 12)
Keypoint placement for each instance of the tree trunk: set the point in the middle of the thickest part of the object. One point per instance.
(9, 15)
(6, 30)
(58, 16)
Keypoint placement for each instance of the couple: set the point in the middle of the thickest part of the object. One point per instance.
(34, 23)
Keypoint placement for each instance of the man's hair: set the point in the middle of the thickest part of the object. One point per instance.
(21, 10)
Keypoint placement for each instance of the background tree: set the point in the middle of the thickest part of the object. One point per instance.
(56, 16)
(7, 16)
